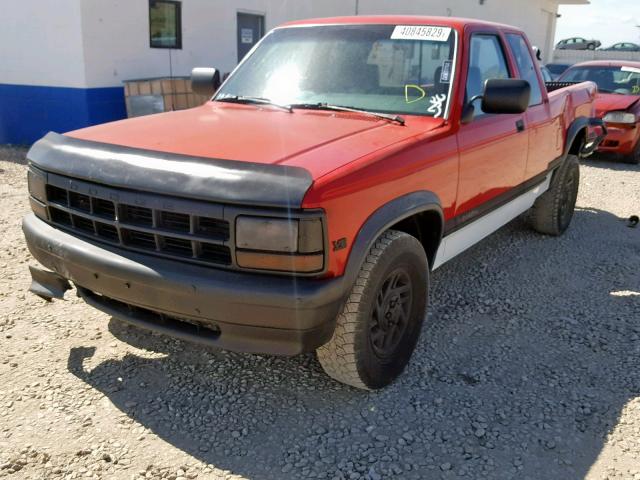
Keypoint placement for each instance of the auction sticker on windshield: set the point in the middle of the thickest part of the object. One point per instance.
(421, 32)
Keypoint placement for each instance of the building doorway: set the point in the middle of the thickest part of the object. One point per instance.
(250, 31)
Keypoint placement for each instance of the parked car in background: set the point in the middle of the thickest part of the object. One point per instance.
(623, 47)
(617, 103)
(557, 69)
(546, 74)
(578, 43)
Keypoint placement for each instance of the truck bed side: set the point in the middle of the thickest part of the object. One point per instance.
(571, 103)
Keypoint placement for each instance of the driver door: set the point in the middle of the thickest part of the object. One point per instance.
(493, 148)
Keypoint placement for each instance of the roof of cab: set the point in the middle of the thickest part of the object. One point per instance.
(608, 63)
(455, 22)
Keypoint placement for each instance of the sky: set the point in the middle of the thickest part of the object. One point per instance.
(610, 21)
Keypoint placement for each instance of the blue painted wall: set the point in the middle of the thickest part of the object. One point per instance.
(28, 112)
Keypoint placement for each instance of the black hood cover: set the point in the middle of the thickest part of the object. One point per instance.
(225, 181)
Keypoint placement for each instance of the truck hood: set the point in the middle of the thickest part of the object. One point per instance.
(318, 141)
(609, 102)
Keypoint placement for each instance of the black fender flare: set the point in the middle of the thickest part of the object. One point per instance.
(579, 124)
(382, 219)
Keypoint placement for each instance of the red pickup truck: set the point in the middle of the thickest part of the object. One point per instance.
(304, 207)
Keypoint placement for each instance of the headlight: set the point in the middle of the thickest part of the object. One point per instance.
(272, 234)
(620, 117)
(279, 244)
(37, 182)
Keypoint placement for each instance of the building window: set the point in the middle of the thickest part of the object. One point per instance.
(165, 24)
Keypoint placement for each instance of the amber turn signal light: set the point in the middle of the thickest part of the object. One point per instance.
(280, 262)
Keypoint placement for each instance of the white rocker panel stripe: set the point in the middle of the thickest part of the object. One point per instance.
(460, 240)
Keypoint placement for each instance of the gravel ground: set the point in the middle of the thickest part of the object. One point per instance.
(528, 368)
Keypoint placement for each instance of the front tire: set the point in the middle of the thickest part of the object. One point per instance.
(591, 46)
(553, 210)
(380, 323)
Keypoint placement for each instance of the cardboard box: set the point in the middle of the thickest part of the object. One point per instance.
(167, 86)
(156, 87)
(133, 89)
(169, 102)
(144, 88)
(181, 101)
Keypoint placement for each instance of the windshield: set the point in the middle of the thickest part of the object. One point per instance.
(379, 68)
(620, 80)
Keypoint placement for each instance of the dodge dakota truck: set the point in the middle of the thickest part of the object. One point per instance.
(305, 205)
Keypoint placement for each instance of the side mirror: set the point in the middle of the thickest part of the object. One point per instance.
(205, 81)
(500, 96)
(506, 96)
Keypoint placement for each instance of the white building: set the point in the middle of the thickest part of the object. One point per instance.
(62, 62)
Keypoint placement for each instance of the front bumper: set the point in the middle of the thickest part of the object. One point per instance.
(621, 140)
(236, 311)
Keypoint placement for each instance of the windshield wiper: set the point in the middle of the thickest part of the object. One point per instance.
(340, 108)
(254, 100)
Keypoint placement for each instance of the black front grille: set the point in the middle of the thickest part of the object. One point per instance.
(79, 201)
(177, 246)
(176, 222)
(118, 218)
(59, 216)
(57, 195)
(104, 208)
(139, 239)
(212, 227)
(108, 232)
(133, 215)
(82, 223)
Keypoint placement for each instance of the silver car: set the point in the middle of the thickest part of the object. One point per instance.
(623, 47)
(578, 43)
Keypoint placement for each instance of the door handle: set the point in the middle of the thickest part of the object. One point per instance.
(520, 125)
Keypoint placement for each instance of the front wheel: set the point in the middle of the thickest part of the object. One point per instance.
(380, 323)
(591, 46)
(553, 210)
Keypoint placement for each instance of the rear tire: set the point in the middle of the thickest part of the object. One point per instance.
(553, 210)
(380, 323)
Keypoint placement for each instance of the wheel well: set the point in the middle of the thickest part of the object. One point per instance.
(578, 142)
(427, 228)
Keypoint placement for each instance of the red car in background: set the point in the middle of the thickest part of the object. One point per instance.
(618, 103)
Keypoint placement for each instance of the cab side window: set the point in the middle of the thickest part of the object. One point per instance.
(487, 60)
(526, 67)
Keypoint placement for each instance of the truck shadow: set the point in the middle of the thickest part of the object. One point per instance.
(529, 354)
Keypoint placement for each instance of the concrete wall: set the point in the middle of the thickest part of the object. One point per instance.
(117, 45)
(43, 84)
(41, 43)
(577, 56)
(121, 42)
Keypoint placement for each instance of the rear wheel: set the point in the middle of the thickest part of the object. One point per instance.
(553, 210)
(379, 326)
